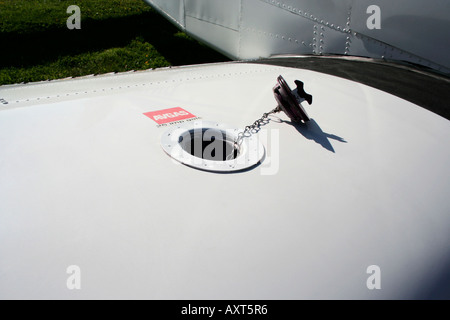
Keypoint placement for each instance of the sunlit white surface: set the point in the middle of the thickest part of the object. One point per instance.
(84, 181)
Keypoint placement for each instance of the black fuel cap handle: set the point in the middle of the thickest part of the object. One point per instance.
(288, 102)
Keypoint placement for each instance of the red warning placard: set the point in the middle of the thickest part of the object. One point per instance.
(169, 115)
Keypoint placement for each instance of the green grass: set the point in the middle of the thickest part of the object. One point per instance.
(115, 36)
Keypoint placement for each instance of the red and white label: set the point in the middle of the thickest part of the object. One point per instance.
(169, 115)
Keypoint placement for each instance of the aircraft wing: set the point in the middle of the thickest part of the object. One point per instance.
(86, 181)
(117, 186)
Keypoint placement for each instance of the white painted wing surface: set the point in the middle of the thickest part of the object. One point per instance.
(84, 181)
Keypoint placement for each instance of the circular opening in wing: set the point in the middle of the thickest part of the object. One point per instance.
(209, 144)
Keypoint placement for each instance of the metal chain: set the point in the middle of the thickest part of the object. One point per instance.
(255, 127)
